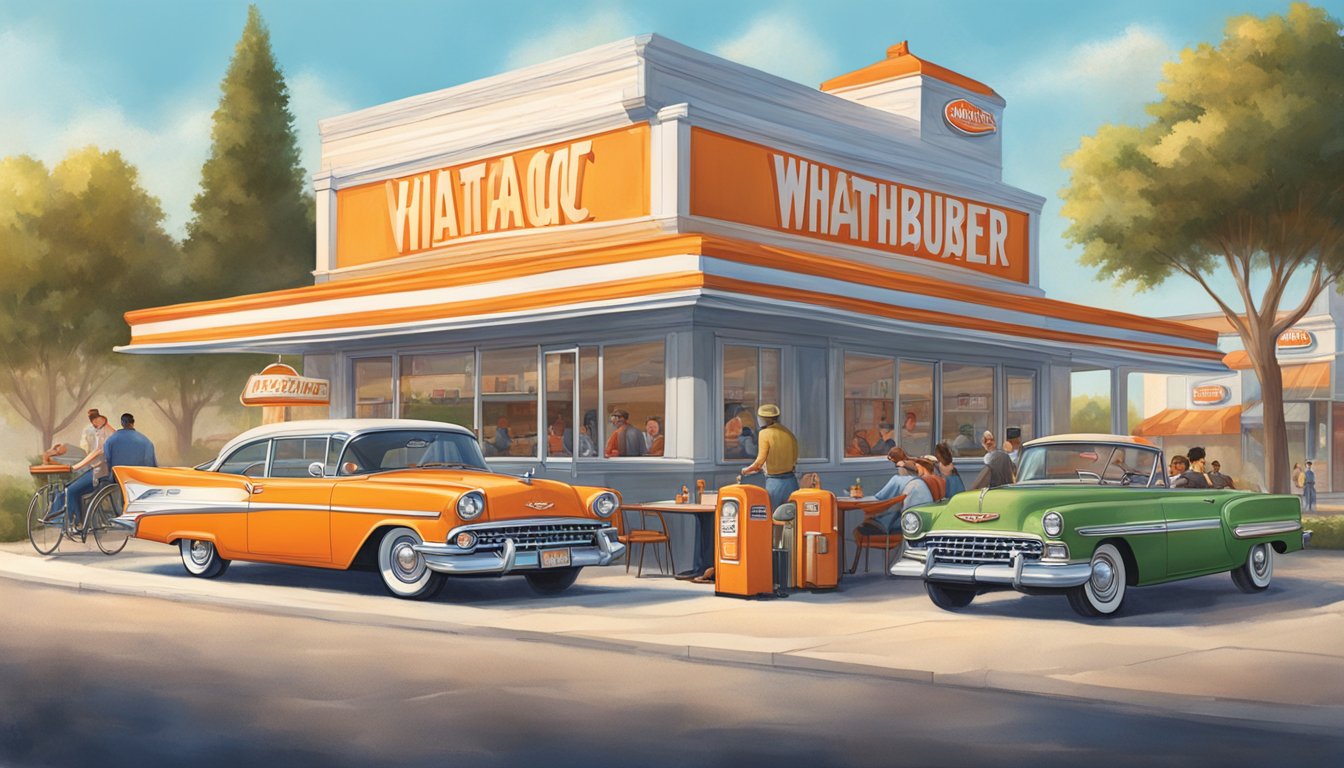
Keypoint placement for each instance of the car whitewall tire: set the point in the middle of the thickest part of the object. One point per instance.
(1104, 591)
(404, 571)
(200, 558)
(1258, 570)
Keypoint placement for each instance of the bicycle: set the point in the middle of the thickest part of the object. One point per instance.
(104, 507)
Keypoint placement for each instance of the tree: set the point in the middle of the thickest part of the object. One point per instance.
(77, 244)
(252, 228)
(1239, 172)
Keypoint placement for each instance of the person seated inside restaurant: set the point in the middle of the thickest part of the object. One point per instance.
(886, 432)
(915, 478)
(556, 443)
(625, 439)
(732, 433)
(858, 444)
(964, 443)
(653, 436)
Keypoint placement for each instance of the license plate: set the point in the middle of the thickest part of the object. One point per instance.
(555, 558)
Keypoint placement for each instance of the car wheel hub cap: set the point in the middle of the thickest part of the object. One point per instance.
(406, 557)
(200, 552)
(1103, 576)
(1260, 561)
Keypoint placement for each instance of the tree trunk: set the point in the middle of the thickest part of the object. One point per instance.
(1276, 428)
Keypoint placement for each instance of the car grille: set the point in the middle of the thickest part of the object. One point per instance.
(528, 538)
(980, 550)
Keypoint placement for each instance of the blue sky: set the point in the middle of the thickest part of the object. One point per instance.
(142, 76)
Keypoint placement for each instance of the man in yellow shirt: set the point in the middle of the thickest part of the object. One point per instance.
(777, 454)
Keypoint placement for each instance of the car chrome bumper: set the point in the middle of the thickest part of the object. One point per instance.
(1306, 539)
(1018, 574)
(452, 560)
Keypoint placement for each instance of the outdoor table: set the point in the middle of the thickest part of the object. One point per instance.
(843, 505)
(704, 527)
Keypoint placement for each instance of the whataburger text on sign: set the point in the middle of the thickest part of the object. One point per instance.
(739, 181)
(603, 177)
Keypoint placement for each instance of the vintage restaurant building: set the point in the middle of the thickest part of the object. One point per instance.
(646, 227)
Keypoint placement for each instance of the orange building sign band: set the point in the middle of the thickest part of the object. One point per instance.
(747, 183)
(597, 178)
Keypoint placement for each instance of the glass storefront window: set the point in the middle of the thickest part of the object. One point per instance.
(968, 407)
(509, 402)
(813, 411)
(588, 443)
(634, 382)
(751, 377)
(560, 371)
(1021, 409)
(373, 388)
(439, 387)
(916, 408)
(870, 388)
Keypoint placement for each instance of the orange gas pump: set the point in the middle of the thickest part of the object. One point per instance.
(742, 543)
(816, 563)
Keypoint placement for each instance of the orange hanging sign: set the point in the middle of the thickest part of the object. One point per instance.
(969, 119)
(1208, 394)
(280, 384)
(1294, 338)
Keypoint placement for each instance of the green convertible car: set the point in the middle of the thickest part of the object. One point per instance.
(1089, 517)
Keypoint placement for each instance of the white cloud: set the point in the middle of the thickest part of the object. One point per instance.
(587, 30)
(52, 106)
(1124, 69)
(783, 46)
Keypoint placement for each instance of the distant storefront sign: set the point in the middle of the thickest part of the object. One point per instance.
(969, 119)
(1295, 338)
(1209, 394)
(280, 384)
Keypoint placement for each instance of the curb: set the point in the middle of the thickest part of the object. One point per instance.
(1302, 718)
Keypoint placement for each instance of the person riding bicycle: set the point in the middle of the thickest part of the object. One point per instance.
(97, 436)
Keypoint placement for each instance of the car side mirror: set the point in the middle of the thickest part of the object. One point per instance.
(315, 469)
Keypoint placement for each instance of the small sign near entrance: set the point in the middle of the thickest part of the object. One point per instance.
(280, 384)
(1208, 394)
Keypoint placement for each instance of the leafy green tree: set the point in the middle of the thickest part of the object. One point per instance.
(77, 246)
(252, 228)
(1240, 172)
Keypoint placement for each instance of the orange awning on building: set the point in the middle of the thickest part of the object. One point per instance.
(1303, 381)
(1185, 421)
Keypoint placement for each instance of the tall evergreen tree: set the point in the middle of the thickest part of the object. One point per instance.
(252, 228)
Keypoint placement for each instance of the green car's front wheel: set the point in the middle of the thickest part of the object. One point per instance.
(949, 598)
(1104, 591)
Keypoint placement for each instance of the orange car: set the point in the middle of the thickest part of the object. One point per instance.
(414, 499)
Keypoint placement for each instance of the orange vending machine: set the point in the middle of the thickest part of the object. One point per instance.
(742, 551)
(816, 545)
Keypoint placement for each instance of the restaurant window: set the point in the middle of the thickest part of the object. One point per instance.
(439, 387)
(915, 409)
(509, 402)
(561, 369)
(968, 407)
(751, 377)
(811, 427)
(870, 386)
(634, 378)
(1021, 410)
(373, 388)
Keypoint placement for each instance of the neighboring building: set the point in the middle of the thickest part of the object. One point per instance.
(1224, 413)
(648, 227)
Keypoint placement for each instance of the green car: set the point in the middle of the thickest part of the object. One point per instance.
(1089, 517)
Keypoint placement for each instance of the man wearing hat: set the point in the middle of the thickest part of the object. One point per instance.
(1012, 444)
(625, 440)
(777, 454)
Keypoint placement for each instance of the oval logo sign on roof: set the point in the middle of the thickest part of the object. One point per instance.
(1296, 339)
(969, 119)
(1208, 394)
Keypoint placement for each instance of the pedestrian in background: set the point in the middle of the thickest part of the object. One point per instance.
(1218, 479)
(1309, 488)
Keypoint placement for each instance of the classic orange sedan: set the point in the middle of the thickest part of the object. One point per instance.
(413, 499)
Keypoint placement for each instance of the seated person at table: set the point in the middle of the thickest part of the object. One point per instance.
(625, 440)
(917, 491)
(653, 436)
(948, 470)
(858, 445)
(886, 432)
(732, 433)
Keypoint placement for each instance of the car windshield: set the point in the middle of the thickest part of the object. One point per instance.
(1097, 463)
(410, 449)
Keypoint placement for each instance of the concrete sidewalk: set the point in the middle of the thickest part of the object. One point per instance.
(1196, 647)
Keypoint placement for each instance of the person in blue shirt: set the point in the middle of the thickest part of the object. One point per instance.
(128, 448)
(906, 481)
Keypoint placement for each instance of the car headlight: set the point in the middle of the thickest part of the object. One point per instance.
(605, 504)
(1053, 523)
(910, 523)
(471, 505)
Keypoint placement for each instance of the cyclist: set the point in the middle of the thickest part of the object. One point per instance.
(97, 436)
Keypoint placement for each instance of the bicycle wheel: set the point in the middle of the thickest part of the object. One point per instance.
(106, 507)
(42, 532)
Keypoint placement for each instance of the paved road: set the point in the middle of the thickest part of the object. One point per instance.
(108, 680)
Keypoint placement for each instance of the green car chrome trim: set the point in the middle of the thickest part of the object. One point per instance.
(1131, 529)
(1206, 524)
(1251, 530)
